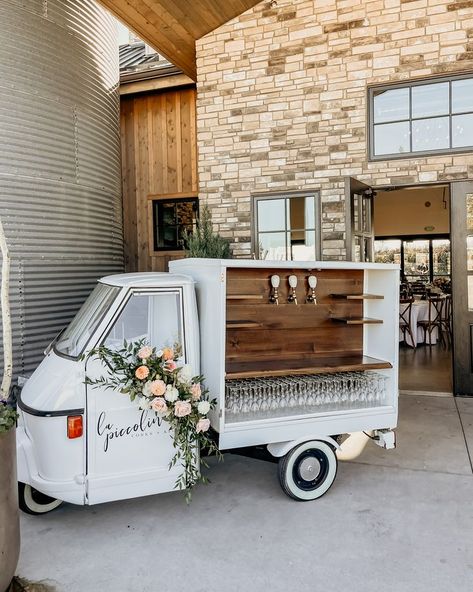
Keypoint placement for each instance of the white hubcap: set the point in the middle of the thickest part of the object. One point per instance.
(309, 468)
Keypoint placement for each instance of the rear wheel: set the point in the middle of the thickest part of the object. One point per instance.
(34, 502)
(308, 470)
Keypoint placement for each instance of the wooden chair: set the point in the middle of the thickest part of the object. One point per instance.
(405, 290)
(446, 319)
(434, 320)
(405, 318)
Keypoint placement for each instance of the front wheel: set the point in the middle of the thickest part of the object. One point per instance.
(308, 470)
(34, 502)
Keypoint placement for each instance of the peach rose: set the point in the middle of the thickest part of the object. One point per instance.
(170, 365)
(196, 392)
(145, 352)
(202, 425)
(142, 372)
(159, 405)
(182, 408)
(157, 387)
(168, 353)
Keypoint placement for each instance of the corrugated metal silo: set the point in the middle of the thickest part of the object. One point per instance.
(60, 196)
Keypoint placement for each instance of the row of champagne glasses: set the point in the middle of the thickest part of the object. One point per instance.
(320, 390)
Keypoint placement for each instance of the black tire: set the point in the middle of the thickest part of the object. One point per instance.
(314, 458)
(32, 501)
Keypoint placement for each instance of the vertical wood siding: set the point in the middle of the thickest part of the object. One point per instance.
(159, 158)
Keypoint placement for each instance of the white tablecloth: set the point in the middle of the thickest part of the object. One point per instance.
(420, 312)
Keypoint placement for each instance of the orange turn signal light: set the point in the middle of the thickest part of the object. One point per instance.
(75, 428)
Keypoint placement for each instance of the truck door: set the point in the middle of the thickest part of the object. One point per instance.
(129, 450)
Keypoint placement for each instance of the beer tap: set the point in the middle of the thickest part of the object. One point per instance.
(292, 297)
(311, 297)
(274, 296)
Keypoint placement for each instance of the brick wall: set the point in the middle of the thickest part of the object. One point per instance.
(282, 101)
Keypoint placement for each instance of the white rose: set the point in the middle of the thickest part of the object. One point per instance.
(185, 373)
(159, 353)
(145, 403)
(203, 407)
(171, 394)
(147, 389)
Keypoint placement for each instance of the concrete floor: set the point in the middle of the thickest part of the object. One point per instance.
(394, 521)
(425, 368)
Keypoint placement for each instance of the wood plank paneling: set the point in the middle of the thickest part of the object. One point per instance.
(142, 181)
(130, 210)
(187, 138)
(173, 27)
(304, 333)
(171, 140)
(159, 158)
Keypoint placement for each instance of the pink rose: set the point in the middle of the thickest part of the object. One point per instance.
(157, 387)
(142, 372)
(196, 391)
(170, 365)
(145, 352)
(202, 425)
(159, 405)
(168, 353)
(182, 408)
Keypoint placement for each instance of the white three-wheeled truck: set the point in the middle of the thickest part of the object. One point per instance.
(298, 356)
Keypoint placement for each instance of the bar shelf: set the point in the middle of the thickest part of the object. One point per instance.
(245, 297)
(357, 320)
(358, 296)
(268, 368)
(243, 324)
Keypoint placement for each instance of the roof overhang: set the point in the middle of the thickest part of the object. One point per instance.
(166, 78)
(172, 28)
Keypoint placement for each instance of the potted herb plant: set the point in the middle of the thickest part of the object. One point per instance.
(203, 242)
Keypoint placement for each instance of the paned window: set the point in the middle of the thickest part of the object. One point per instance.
(287, 227)
(171, 217)
(424, 117)
(422, 259)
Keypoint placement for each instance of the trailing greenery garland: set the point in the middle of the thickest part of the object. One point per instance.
(156, 381)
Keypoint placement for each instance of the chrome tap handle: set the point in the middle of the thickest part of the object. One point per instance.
(274, 296)
(311, 297)
(292, 297)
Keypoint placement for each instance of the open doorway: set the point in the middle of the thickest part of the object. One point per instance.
(412, 228)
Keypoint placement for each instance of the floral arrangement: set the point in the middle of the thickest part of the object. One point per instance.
(444, 284)
(157, 381)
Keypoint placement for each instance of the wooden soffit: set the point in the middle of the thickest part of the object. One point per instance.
(173, 26)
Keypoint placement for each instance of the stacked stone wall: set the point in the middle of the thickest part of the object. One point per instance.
(282, 102)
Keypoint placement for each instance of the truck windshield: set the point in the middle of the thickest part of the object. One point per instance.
(73, 340)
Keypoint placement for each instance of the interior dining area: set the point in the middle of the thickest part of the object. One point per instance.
(412, 228)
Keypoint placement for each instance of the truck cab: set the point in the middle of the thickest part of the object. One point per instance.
(76, 442)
